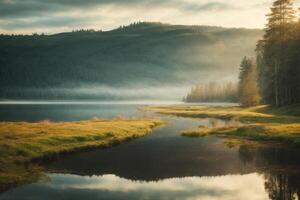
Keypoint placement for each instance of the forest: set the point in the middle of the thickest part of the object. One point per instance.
(213, 92)
(144, 54)
(274, 78)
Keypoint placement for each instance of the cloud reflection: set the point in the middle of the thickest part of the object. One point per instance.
(250, 186)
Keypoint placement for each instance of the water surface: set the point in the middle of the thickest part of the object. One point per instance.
(162, 165)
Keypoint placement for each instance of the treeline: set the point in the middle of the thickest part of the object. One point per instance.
(277, 60)
(213, 92)
(144, 54)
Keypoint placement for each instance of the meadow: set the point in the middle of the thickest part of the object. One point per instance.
(22, 143)
(261, 123)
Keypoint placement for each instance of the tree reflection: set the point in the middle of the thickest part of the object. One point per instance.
(245, 155)
(282, 186)
(280, 167)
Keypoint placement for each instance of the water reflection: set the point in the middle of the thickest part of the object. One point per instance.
(66, 112)
(162, 165)
(160, 155)
(250, 186)
(280, 167)
(282, 186)
(217, 123)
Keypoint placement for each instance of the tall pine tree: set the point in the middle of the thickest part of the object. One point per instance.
(273, 54)
(248, 89)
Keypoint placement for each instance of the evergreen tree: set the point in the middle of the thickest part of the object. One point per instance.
(213, 92)
(248, 90)
(274, 55)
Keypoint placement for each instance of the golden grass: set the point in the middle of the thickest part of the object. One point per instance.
(209, 111)
(258, 123)
(22, 142)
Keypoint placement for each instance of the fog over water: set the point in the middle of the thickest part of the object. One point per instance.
(138, 92)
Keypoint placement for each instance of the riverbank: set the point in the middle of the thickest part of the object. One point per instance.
(23, 142)
(255, 123)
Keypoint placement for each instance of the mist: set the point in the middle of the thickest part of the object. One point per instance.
(140, 93)
(139, 61)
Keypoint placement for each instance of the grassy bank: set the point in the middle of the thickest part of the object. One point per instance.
(22, 142)
(257, 123)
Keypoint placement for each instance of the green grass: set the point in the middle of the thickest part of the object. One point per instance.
(23, 142)
(261, 123)
(259, 132)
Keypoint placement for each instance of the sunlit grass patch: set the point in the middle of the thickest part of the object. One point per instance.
(220, 112)
(257, 123)
(22, 142)
(258, 132)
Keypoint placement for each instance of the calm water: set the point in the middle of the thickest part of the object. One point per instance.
(162, 165)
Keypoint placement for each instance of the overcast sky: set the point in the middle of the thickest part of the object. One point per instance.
(51, 16)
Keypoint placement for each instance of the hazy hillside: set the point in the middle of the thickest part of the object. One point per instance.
(138, 61)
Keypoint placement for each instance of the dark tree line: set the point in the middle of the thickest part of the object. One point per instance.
(278, 56)
(277, 59)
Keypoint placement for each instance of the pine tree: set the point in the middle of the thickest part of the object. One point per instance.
(213, 92)
(248, 89)
(273, 54)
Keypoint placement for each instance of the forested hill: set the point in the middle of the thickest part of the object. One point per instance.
(140, 55)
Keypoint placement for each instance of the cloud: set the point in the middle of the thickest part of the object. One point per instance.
(27, 8)
(211, 6)
(263, 4)
(56, 15)
(47, 22)
(15, 9)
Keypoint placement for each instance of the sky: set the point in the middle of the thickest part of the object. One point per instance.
(53, 16)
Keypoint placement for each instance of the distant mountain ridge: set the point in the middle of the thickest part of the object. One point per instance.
(140, 55)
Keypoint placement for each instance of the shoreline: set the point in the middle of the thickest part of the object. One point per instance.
(260, 123)
(23, 143)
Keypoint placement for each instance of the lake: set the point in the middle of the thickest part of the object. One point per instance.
(162, 165)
